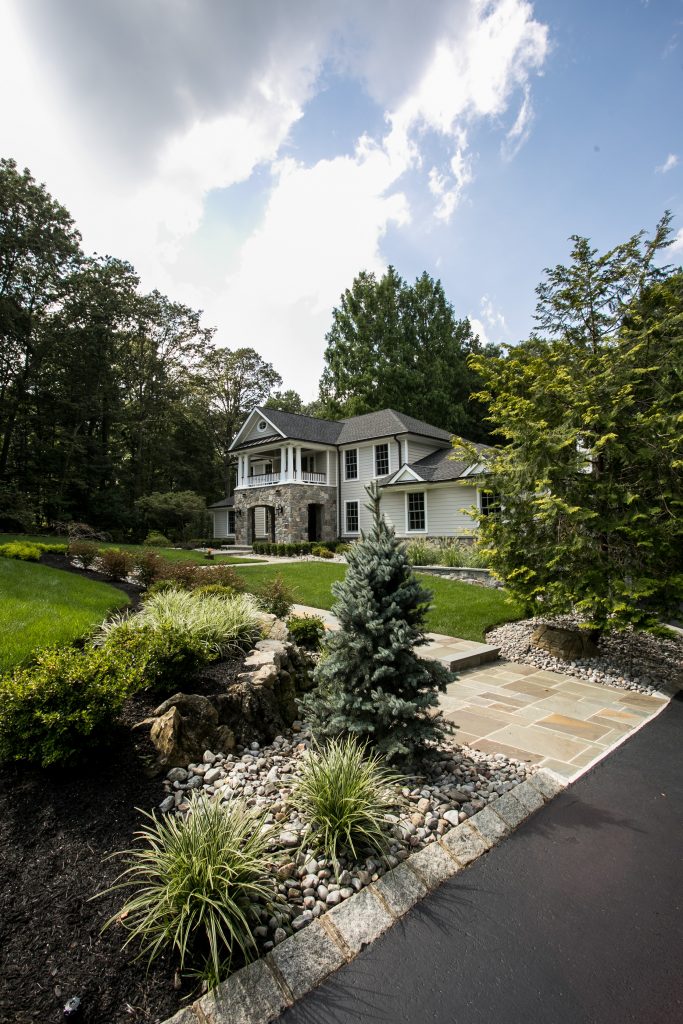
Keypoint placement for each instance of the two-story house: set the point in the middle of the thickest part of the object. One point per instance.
(300, 478)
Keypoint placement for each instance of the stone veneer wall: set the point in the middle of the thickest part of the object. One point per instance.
(292, 524)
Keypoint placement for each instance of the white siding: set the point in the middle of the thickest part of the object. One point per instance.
(221, 523)
(254, 434)
(354, 490)
(418, 449)
(443, 505)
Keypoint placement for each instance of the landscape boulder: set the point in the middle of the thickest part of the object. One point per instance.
(567, 644)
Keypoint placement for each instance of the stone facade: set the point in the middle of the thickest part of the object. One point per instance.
(292, 523)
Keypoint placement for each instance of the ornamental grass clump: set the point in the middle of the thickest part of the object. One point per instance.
(345, 793)
(198, 885)
(219, 625)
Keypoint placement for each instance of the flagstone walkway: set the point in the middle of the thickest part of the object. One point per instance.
(547, 718)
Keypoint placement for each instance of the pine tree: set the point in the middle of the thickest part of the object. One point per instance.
(372, 684)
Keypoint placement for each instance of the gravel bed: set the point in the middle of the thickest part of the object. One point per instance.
(455, 784)
(628, 659)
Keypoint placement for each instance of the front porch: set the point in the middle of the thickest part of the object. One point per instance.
(285, 513)
(287, 464)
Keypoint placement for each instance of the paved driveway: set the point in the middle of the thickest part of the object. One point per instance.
(575, 919)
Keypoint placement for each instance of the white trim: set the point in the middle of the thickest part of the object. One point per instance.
(404, 471)
(425, 529)
(246, 426)
(347, 532)
(376, 445)
(357, 476)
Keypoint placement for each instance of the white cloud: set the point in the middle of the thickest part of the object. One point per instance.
(521, 129)
(668, 165)
(490, 325)
(135, 113)
(677, 244)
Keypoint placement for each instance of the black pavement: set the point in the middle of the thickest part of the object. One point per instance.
(574, 919)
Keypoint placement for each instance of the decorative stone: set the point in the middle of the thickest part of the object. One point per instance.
(361, 920)
(567, 644)
(306, 958)
(401, 889)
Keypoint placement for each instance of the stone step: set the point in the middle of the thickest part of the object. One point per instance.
(477, 654)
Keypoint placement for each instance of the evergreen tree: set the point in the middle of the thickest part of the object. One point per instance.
(372, 684)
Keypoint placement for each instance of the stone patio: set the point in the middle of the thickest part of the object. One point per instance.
(547, 718)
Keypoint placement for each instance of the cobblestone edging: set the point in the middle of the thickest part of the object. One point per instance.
(260, 992)
(458, 572)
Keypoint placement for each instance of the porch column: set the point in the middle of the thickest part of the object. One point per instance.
(240, 473)
(298, 461)
(246, 470)
(327, 466)
(284, 473)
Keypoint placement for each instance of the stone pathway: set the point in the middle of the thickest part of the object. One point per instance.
(545, 718)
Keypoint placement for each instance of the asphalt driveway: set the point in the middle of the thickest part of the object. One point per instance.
(575, 919)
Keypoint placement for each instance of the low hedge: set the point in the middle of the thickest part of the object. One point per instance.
(293, 550)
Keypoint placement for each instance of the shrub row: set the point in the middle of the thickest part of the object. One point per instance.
(27, 551)
(453, 553)
(303, 547)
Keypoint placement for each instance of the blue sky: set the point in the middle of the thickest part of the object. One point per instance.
(251, 159)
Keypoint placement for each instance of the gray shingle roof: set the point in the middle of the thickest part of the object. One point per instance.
(303, 428)
(223, 503)
(386, 422)
(438, 466)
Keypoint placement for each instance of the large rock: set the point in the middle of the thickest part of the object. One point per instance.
(567, 644)
(186, 725)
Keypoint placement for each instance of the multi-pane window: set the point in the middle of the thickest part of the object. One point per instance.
(417, 519)
(351, 464)
(231, 522)
(351, 517)
(489, 502)
(381, 459)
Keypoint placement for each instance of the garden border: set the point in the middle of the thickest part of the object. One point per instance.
(259, 992)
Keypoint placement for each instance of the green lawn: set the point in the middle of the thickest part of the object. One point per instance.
(41, 606)
(172, 554)
(458, 609)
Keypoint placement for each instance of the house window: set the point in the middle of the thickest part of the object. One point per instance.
(308, 463)
(381, 459)
(351, 464)
(351, 517)
(262, 425)
(231, 521)
(489, 502)
(417, 518)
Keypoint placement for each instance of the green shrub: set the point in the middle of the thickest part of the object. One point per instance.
(59, 707)
(83, 551)
(22, 550)
(115, 563)
(160, 587)
(154, 658)
(224, 575)
(320, 551)
(52, 549)
(156, 539)
(470, 556)
(344, 793)
(149, 567)
(218, 589)
(341, 549)
(198, 886)
(421, 552)
(276, 597)
(182, 575)
(307, 631)
(211, 623)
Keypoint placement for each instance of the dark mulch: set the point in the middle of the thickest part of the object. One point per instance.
(56, 828)
(55, 561)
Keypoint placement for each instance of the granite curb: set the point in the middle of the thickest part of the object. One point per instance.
(258, 993)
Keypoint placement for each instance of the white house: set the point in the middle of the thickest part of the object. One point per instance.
(300, 478)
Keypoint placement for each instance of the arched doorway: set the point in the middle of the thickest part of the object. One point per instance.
(315, 522)
(261, 523)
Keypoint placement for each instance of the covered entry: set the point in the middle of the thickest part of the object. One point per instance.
(261, 523)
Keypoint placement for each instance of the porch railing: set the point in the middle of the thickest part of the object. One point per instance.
(313, 478)
(263, 480)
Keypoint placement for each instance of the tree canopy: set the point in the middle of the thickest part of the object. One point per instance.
(590, 472)
(400, 346)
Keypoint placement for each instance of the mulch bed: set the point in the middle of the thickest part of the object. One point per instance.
(56, 829)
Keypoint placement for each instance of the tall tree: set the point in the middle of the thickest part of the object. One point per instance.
(236, 381)
(590, 473)
(394, 345)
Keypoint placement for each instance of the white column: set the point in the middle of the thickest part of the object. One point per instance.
(283, 455)
(298, 461)
(327, 467)
(246, 470)
(240, 473)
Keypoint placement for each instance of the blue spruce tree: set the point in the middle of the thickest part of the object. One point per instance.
(372, 684)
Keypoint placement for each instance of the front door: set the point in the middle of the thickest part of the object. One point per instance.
(314, 522)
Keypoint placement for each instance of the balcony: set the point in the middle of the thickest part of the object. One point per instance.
(271, 479)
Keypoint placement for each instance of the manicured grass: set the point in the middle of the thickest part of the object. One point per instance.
(458, 609)
(172, 554)
(41, 606)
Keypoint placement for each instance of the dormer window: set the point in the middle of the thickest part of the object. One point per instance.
(262, 425)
